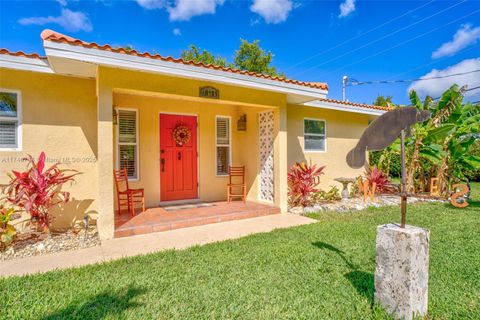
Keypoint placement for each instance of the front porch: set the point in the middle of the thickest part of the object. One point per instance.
(178, 146)
(189, 215)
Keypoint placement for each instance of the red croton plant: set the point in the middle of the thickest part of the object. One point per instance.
(37, 189)
(375, 175)
(303, 180)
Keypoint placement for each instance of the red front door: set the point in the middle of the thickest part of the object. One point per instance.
(178, 161)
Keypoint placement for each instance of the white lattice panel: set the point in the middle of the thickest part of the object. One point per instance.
(266, 127)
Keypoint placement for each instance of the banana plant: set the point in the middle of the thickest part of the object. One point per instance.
(442, 143)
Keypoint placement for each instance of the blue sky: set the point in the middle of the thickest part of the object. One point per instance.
(311, 40)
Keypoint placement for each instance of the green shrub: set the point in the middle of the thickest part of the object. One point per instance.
(7, 231)
(331, 195)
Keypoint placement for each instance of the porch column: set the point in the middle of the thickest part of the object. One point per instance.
(105, 199)
(280, 159)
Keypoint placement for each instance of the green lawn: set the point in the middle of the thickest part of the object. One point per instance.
(323, 270)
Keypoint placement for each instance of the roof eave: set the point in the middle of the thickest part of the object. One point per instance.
(24, 63)
(346, 108)
(123, 61)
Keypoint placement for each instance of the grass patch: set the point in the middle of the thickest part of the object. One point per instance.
(324, 270)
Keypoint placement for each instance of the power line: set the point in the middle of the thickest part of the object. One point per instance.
(430, 63)
(358, 36)
(404, 42)
(470, 89)
(382, 37)
(357, 83)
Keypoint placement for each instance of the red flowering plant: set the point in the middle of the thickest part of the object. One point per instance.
(37, 189)
(375, 175)
(303, 180)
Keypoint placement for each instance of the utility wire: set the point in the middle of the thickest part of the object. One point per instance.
(402, 43)
(382, 37)
(470, 89)
(357, 83)
(358, 36)
(462, 90)
(430, 63)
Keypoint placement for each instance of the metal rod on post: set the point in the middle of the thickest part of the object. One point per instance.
(344, 87)
(403, 191)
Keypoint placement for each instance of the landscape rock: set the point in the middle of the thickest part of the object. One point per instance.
(33, 244)
(356, 204)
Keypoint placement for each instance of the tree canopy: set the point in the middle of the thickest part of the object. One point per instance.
(383, 101)
(249, 57)
(196, 54)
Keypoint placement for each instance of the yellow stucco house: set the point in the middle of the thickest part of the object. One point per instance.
(96, 108)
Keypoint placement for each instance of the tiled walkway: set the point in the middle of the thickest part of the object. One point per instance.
(159, 219)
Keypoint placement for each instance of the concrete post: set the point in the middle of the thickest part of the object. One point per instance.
(401, 275)
(280, 159)
(106, 208)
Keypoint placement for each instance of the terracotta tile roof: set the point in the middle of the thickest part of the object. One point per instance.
(49, 35)
(21, 54)
(361, 105)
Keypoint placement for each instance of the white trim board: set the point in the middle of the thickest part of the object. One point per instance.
(25, 64)
(342, 107)
(124, 61)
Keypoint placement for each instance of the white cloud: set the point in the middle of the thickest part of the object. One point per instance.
(152, 4)
(273, 11)
(436, 87)
(177, 32)
(186, 9)
(464, 37)
(70, 20)
(182, 10)
(346, 8)
(62, 2)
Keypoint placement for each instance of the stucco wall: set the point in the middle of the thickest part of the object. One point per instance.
(343, 131)
(59, 117)
(244, 145)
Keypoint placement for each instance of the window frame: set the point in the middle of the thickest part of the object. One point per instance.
(137, 157)
(229, 145)
(324, 135)
(18, 119)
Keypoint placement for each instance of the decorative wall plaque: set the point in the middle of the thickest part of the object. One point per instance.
(209, 92)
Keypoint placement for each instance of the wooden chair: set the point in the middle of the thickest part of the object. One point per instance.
(126, 196)
(236, 180)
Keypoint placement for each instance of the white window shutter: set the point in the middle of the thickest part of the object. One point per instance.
(127, 126)
(128, 142)
(8, 134)
(223, 131)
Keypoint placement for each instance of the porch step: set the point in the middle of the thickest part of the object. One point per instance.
(159, 219)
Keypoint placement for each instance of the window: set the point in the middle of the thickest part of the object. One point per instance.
(10, 120)
(222, 129)
(127, 138)
(314, 135)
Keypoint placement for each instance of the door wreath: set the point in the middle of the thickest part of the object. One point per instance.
(181, 134)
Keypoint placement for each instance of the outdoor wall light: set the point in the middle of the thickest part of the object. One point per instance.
(242, 123)
(115, 117)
